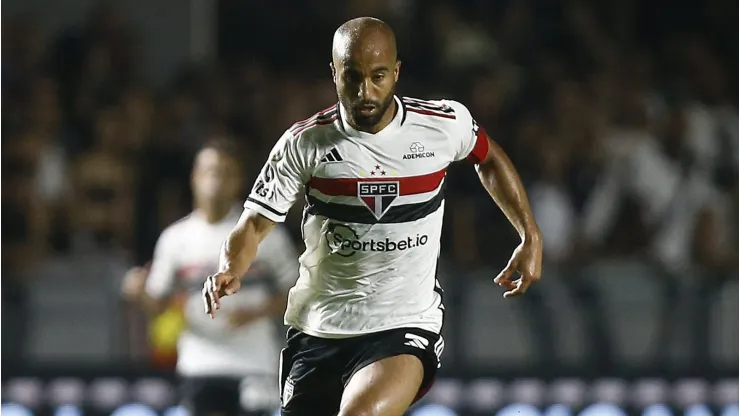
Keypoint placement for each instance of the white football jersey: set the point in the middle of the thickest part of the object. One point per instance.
(186, 253)
(373, 215)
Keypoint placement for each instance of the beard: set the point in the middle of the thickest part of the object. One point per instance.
(364, 121)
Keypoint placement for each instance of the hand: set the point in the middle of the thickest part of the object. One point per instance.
(134, 283)
(243, 317)
(527, 262)
(216, 287)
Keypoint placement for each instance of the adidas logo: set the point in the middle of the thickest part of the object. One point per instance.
(332, 156)
(416, 341)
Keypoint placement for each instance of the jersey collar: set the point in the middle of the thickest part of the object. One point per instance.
(396, 123)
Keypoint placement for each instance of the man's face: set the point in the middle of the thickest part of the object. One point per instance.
(216, 177)
(366, 82)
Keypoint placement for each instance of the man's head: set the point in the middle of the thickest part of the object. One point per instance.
(365, 69)
(217, 175)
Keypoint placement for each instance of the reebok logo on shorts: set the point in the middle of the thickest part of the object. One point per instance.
(416, 341)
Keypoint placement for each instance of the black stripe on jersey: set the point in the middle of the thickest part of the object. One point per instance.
(359, 214)
(428, 106)
(267, 207)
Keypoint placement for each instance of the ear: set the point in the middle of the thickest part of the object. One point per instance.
(396, 70)
(333, 72)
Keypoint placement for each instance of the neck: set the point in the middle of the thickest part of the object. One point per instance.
(213, 211)
(384, 121)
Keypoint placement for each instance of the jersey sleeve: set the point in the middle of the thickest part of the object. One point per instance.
(161, 280)
(469, 140)
(282, 258)
(281, 181)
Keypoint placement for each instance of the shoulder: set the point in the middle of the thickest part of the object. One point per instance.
(444, 113)
(305, 136)
(317, 122)
(444, 109)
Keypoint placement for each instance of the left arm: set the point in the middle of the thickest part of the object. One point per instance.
(499, 177)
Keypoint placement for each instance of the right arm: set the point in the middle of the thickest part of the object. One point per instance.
(237, 254)
(240, 247)
(279, 185)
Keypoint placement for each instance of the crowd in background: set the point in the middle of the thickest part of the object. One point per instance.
(621, 117)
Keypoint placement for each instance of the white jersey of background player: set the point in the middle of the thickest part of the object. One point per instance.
(373, 218)
(186, 253)
(242, 341)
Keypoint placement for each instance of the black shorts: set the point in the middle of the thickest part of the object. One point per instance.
(203, 396)
(314, 371)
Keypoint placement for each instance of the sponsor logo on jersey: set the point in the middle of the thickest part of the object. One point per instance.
(344, 241)
(332, 157)
(417, 152)
(263, 187)
(378, 196)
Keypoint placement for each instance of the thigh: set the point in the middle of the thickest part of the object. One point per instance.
(211, 396)
(387, 387)
(397, 367)
(310, 376)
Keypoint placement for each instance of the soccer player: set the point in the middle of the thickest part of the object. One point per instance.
(215, 356)
(366, 313)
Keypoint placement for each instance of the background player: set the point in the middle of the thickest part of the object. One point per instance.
(366, 312)
(215, 356)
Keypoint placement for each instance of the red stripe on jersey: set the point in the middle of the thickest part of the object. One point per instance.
(408, 185)
(430, 113)
(301, 123)
(480, 149)
(317, 122)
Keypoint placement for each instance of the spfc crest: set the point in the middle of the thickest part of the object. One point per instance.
(378, 196)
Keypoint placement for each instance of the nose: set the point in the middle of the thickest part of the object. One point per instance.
(364, 92)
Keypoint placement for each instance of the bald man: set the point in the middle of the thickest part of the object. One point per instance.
(366, 313)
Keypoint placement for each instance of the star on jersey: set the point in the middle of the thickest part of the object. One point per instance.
(378, 171)
(378, 196)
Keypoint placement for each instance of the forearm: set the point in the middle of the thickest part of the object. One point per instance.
(240, 248)
(499, 177)
(238, 251)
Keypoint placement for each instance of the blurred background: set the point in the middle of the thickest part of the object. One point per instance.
(621, 116)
